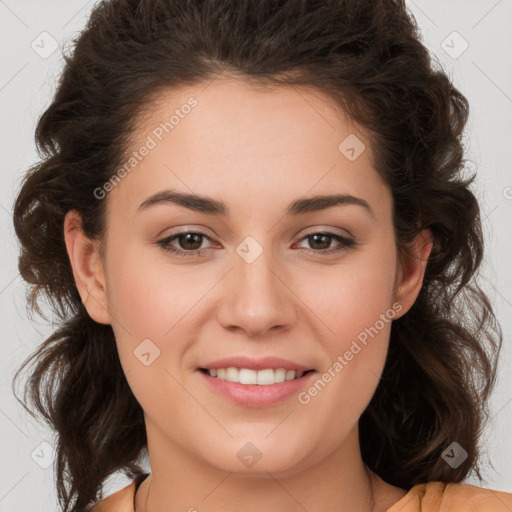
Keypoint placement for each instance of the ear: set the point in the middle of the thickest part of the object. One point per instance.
(411, 271)
(87, 266)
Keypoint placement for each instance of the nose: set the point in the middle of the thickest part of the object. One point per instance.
(258, 297)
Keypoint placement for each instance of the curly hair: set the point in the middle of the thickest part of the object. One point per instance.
(367, 56)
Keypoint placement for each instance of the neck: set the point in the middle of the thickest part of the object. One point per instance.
(340, 481)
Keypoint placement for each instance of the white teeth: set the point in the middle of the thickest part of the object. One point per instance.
(232, 374)
(246, 376)
(265, 377)
(279, 375)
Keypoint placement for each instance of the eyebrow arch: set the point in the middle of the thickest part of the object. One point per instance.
(211, 206)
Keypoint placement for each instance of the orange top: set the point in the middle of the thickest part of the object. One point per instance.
(429, 497)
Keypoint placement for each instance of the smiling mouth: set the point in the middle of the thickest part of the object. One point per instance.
(265, 377)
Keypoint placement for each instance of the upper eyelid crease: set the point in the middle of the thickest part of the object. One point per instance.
(211, 206)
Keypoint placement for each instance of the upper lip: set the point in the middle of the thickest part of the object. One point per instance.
(256, 364)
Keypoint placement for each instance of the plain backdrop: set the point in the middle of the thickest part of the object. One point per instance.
(472, 40)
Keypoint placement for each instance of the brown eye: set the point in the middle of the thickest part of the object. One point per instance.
(190, 241)
(187, 243)
(320, 242)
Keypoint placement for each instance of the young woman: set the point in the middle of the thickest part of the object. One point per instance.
(253, 220)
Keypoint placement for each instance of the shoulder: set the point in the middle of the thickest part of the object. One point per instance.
(440, 497)
(120, 501)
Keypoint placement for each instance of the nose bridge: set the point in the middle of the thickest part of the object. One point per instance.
(258, 299)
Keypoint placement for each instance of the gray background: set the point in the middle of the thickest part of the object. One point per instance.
(29, 71)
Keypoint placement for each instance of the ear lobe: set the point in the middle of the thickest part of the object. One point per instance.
(87, 266)
(411, 270)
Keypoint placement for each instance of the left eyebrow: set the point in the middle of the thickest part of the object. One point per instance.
(211, 206)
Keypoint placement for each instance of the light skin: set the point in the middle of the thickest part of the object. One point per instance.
(257, 151)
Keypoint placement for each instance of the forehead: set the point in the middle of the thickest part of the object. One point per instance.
(282, 116)
(231, 139)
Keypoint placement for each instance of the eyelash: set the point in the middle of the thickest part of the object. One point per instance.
(165, 243)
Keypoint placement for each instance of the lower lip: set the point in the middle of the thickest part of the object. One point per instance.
(254, 395)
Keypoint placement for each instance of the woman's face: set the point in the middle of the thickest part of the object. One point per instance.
(264, 275)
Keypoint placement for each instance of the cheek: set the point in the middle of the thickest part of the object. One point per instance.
(148, 304)
(351, 297)
(154, 308)
(150, 307)
(355, 303)
(150, 298)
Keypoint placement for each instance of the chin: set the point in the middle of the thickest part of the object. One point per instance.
(258, 458)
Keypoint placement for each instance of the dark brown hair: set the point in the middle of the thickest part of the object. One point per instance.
(365, 54)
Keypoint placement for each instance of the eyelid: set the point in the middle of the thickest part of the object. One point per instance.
(327, 230)
(200, 229)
